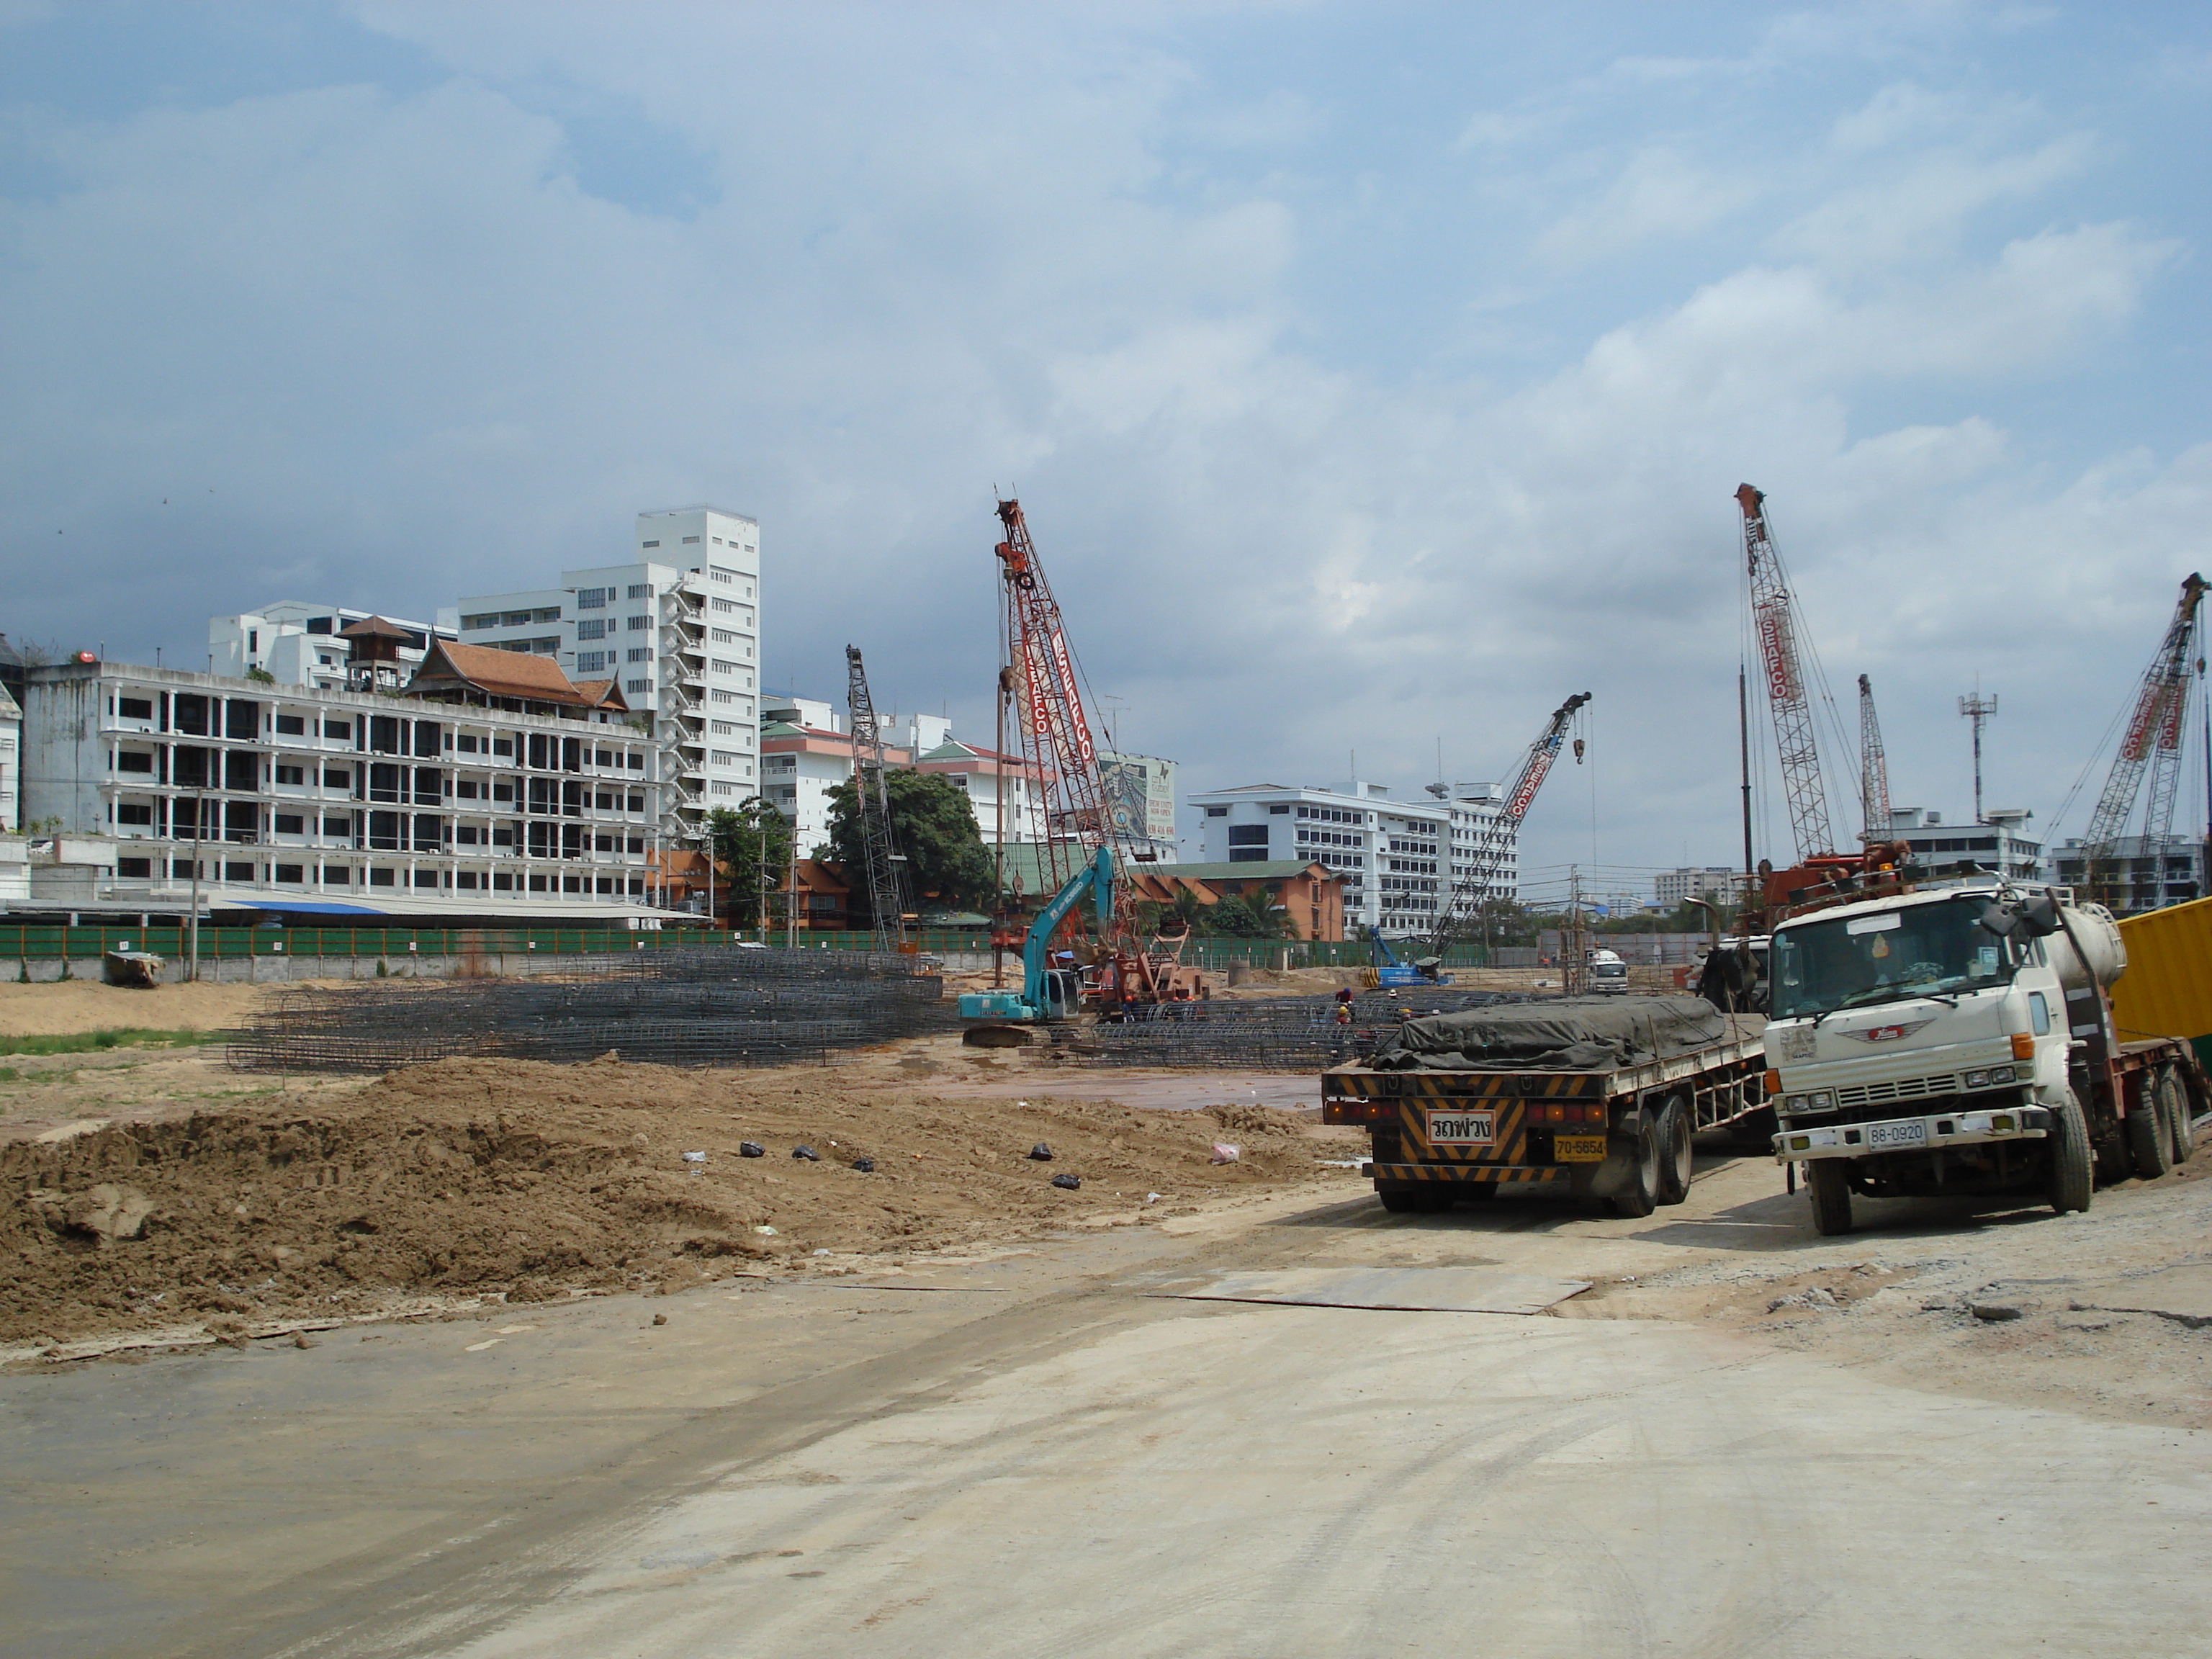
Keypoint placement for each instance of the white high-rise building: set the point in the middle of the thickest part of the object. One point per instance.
(678, 629)
(1400, 859)
(298, 643)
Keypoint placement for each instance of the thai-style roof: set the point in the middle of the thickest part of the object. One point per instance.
(480, 668)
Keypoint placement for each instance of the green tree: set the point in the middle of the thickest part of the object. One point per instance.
(752, 849)
(935, 828)
(1258, 913)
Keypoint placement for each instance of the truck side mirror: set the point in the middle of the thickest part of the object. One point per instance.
(2040, 917)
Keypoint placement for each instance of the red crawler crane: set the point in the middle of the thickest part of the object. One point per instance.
(1062, 756)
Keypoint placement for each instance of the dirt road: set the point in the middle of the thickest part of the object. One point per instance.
(1047, 1449)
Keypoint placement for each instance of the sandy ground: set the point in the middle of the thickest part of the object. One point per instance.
(69, 1007)
(1038, 1447)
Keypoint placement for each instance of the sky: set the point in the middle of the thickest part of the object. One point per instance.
(1372, 376)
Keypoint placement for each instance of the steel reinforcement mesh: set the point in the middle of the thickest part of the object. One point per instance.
(1263, 1034)
(664, 1008)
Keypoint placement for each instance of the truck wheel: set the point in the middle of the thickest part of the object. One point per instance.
(2173, 1104)
(2150, 1134)
(1830, 1183)
(1674, 1151)
(2070, 1156)
(1639, 1193)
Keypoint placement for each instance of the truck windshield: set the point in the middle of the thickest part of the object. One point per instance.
(1854, 961)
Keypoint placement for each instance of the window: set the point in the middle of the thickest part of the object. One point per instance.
(648, 543)
(503, 746)
(134, 760)
(596, 628)
(638, 653)
(723, 636)
(639, 591)
(484, 619)
(719, 575)
(636, 622)
(338, 777)
(637, 685)
(135, 869)
(380, 876)
(1216, 812)
(340, 825)
(591, 598)
(291, 726)
(591, 662)
(291, 824)
(725, 728)
(291, 872)
(127, 813)
(637, 804)
(727, 607)
(293, 774)
(1247, 835)
(135, 709)
(237, 872)
(722, 757)
(688, 540)
(1279, 809)
(637, 761)
(340, 729)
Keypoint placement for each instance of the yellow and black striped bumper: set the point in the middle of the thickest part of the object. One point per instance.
(1464, 1087)
(1491, 1172)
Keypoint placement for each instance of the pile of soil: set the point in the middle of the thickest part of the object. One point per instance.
(532, 1180)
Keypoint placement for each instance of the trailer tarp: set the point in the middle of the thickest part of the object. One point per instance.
(1575, 1034)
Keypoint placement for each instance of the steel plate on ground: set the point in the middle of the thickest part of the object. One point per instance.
(1415, 1290)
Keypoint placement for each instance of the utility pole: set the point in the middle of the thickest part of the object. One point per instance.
(199, 829)
(1574, 942)
(1977, 709)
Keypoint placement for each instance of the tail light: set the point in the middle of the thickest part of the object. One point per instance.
(1359, 1111)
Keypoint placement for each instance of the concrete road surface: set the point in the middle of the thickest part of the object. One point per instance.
(1055, 1456)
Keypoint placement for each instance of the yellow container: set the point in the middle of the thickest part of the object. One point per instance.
(2167, 988)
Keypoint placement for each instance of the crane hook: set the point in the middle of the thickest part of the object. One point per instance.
(1578, 751)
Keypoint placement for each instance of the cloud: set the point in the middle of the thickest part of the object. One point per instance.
(848, 268)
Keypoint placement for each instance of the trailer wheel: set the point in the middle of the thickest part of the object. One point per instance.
(1674, 1150)
(2070, 1175)
(1830, 1183)
(1639, 1193)
(2173, 1106)
(2149, 1131)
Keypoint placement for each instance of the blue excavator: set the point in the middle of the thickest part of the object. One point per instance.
(1047, 992)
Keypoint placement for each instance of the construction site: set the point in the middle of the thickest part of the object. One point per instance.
(647, 1280)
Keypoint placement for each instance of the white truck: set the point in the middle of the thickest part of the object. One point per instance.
(1954, 1039)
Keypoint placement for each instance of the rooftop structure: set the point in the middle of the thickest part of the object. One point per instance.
(298, 643)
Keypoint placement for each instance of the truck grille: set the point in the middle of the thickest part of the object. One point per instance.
(1906, 1088)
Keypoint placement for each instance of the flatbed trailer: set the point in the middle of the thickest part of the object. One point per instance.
(1622, 1133)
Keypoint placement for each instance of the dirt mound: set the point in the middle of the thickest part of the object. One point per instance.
(530, 1179)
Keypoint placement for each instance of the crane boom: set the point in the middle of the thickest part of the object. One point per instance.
(873, 807)
(1874, 769)
(2151, 742)
(1467, 896)
(1056, 739)
(1773, 617)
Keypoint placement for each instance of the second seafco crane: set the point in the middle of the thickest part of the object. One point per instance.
(873, 810)
(2150, 742)
(1874, 769)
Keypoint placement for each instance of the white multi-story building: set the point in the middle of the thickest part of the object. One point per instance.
(805, 752)
(1717, 882)
(11, 736)
(2150, 872)
(489, 787)
(296, 643)
(2000, 843)
(678, 629)
(1400, 860)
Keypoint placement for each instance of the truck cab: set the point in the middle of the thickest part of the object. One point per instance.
(1608, 975)
(1920, 1043)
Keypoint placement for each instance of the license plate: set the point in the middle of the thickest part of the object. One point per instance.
(1897, 1134)
(1578, 1149)
(1461, 1128)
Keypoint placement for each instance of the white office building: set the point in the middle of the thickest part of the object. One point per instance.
(490, 786)
(1400, 860)
(1716, 882)
(296, 643)
(806, 752)
(678, 630)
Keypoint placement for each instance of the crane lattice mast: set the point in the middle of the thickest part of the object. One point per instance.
(2150, 742)
(1874, 769)
(1057, 744)
(872, 804)
(1773, 617)
(1470, 893)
